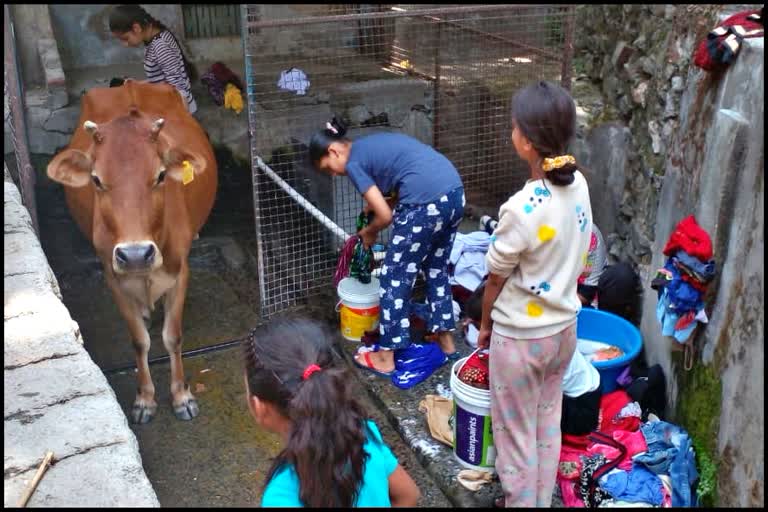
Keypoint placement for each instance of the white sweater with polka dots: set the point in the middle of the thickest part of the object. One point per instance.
(540, 244)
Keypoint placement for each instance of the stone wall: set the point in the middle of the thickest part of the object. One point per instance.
(663, 139)
(638, 56)
(54, 396)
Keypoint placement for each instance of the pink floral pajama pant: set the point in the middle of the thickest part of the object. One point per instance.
(526, 404)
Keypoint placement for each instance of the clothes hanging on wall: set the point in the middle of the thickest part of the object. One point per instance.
(722, 44)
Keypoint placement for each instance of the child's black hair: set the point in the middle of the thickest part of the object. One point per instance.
(318, 144)
(546, 115)
(473, 308)
(122, 18)
(327, 433)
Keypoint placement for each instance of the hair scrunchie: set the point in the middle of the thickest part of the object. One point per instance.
(557, 162)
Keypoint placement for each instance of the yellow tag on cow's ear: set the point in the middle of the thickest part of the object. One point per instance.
(188, 172)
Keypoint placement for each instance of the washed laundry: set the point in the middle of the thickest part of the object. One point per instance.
(723, 43)
(217, 78)
(670, 452)
(295, 80)
(637, 485)
(468, 259)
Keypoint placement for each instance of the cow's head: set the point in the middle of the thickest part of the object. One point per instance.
(133, 167)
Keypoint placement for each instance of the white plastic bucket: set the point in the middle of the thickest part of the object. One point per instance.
(472, 430)
(358, 307)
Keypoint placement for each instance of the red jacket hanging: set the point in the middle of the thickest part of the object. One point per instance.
(689, 237)
(722, 44)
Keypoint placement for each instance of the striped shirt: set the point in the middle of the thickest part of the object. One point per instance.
(163, 63)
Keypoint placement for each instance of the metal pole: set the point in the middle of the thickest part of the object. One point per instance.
(309, 207)
(26, 172)
(251, 97)
(397, 12)
(436, 115)
(568, 48)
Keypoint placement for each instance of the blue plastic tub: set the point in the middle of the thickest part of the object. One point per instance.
(605, 327)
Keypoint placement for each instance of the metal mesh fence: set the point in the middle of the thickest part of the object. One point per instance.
(442, 74)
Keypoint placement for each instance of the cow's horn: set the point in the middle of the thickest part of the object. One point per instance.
(93, 129)
(156, 127)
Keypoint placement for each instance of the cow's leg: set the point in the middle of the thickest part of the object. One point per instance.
(144, 407)
(184, 404)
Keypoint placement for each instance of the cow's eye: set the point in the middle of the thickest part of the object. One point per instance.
(161, 177)
(97, 182)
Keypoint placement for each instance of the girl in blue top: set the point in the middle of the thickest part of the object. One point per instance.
(333, 456)
(429, 208)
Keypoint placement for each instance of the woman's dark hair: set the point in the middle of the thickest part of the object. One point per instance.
(318, 144)
(122, 18)
(546, 115)
(328, 430)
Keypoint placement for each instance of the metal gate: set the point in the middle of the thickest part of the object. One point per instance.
(444, 75)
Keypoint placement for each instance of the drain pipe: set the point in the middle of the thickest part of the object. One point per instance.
(189, 353)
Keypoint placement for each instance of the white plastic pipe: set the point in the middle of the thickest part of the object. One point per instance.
(311, 209)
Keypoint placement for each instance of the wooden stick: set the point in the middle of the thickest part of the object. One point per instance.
(38, 476)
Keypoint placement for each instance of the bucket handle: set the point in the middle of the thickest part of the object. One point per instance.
(338, 308)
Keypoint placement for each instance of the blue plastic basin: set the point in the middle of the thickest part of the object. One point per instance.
(596, 325)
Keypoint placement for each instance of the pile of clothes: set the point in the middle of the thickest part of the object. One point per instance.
(467, 263)
(224, 87)
(684, 279)
(628, 462)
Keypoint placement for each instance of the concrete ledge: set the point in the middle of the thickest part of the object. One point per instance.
(53, 72)
(401, 407)
(54, 397)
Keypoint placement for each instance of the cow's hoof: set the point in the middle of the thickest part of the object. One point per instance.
(141, 413)
(187, 410)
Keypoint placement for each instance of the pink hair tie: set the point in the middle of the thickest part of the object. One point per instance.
(330, 127)
(309, 370)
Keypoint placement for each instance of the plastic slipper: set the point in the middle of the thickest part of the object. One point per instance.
(369, 366)
(453, 356)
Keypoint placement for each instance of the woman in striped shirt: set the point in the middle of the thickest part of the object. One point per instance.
(164, 61)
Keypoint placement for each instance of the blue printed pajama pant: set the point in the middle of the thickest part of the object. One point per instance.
(421, 239)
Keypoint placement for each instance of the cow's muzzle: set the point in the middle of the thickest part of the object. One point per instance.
(134, 257)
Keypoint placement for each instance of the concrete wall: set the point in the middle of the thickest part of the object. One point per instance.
(716, 173)
(663, 140)
(54, 396)
(32, 23)
(82, 33)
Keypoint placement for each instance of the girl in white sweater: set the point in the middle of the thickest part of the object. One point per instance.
(530, 302)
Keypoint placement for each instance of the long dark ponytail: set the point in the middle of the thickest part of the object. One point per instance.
(325, 443)
(546, 115)
(122, 18)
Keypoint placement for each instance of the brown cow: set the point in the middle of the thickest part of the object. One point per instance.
(126, 174)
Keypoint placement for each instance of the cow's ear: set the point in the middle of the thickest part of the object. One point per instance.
(184, 166)
(71, 167)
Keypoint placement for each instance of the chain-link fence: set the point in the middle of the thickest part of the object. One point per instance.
(442, 74)
(13, 120)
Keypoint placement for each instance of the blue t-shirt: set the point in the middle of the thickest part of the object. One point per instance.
(283, 489)
(393, 161)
